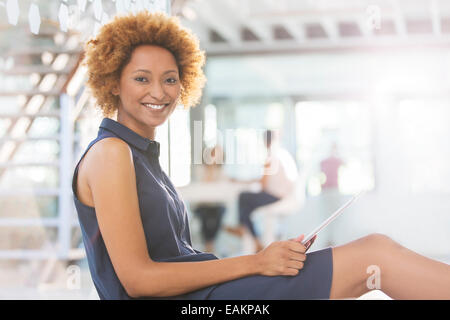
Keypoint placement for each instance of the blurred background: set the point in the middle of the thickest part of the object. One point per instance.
(359, 92)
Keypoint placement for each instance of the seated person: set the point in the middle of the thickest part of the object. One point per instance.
(278, 180)
(210, 213)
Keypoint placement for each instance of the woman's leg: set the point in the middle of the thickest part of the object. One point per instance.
(247, 203)
(211, 218)
(403, 274)
(212, 222)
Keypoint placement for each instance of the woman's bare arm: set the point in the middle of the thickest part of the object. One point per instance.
(173, 278)
(112, 180)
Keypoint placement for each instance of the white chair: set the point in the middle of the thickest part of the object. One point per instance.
(271, 214)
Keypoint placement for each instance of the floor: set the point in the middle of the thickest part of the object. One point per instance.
(83, 290)
(22, 281)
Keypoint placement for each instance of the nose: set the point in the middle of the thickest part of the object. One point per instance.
(157, 91)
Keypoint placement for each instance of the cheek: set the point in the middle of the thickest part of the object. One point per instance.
(132, 93)
(175, 91)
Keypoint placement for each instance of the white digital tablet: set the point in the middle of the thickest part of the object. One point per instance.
(331, 218)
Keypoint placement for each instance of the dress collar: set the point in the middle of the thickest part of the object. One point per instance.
(150, 147)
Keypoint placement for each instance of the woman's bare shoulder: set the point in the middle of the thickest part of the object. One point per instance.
(93, 163)
(107, 154)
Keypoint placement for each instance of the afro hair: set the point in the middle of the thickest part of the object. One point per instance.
(107, 54)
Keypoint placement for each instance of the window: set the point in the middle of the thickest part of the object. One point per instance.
(180, 147)
(339, 128)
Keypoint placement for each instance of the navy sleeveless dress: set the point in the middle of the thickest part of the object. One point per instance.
(165, 221)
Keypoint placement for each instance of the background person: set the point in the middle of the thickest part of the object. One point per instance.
(331, 198)
(211, 213)
(277, 181)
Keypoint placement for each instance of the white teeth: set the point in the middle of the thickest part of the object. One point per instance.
(153, 106)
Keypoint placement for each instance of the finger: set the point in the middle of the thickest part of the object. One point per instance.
(291, 272)
(298, 257)
(295, 264)
(296, 246)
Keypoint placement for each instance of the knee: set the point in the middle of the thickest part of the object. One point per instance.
(378, 242)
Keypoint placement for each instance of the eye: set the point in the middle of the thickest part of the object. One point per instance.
(137, 79)
(172, 80)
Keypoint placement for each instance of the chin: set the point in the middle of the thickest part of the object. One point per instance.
(155, 124)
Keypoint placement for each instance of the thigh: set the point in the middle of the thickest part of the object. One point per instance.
(312, 282)
(256, 199)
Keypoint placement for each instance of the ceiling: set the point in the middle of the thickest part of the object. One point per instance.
(235, 27)
(227, 27)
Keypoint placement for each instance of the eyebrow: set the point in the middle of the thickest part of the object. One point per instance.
(147, 71)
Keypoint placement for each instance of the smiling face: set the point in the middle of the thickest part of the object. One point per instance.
(149, 89)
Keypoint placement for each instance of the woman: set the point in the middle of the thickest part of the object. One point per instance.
(210, 212)
(134, 224)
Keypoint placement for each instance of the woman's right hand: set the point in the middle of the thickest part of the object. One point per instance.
(282, 258)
